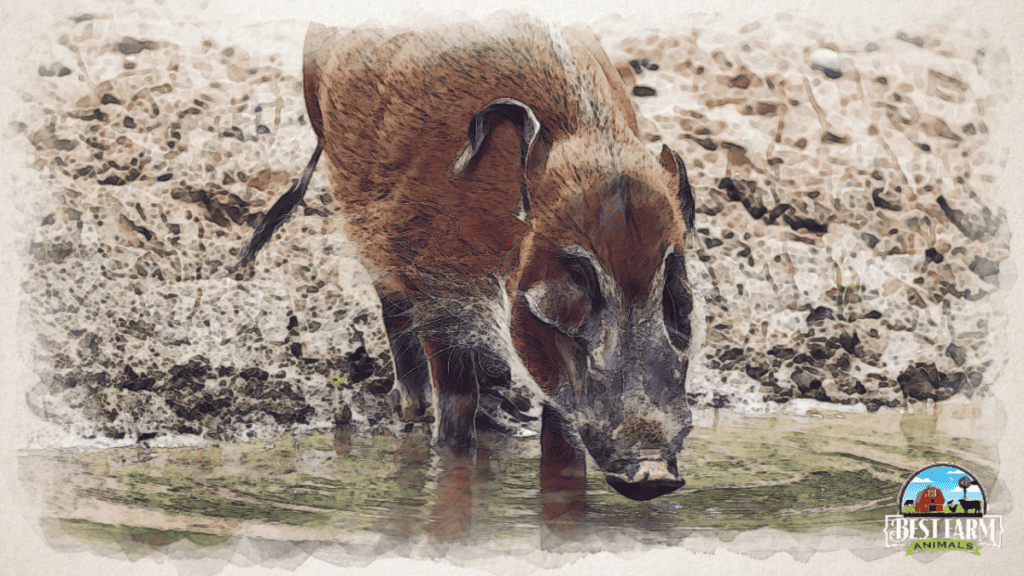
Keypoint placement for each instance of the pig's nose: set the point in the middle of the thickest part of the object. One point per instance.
(651, 480)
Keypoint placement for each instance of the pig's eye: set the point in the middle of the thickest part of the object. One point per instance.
(678, 303)
(558, 303)
(584, 276)
(567, 302)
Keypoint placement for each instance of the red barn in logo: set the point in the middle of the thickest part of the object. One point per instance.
(929, 500)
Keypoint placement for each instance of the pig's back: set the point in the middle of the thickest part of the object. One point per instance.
(392, 112)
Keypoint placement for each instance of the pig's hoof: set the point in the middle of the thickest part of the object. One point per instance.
(409, 409)
(413, 412)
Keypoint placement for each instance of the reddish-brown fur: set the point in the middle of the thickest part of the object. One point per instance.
(391, 112)
(390, 137)
(573, 221)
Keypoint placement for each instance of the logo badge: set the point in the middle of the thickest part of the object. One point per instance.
(943, 507)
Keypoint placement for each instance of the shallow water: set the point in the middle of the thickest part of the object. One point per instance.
(825, 472)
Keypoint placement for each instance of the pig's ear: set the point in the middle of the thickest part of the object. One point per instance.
(674, 164)
(498, 111)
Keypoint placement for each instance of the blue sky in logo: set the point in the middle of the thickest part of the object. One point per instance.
(944, 478)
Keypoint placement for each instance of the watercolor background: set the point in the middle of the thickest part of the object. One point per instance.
(22, 549)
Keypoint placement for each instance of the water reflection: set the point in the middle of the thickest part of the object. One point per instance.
(539, 490)
(409, 494)
(453, 495)
(563, 485)
(452, 515)
(400, 494)
(920, 429)
(343, 439)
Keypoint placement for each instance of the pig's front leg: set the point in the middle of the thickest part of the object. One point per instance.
(453, 372)
(409, 359)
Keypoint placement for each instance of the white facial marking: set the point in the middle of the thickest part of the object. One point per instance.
(536, 298)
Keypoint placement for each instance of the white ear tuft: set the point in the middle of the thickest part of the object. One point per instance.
(538, 299)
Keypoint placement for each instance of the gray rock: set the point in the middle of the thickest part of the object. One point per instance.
(828, 62)
(957, 354)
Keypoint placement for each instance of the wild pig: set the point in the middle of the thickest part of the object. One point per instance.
(519, 233)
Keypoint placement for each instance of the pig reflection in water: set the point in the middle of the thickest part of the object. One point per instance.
(464, 483)
(562, 494)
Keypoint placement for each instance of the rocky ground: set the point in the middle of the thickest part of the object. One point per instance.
(852, 250)
(844, 213)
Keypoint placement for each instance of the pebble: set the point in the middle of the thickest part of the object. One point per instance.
(828, 62)
(820, 313)
(986, 269)
(957, 353)
(639, 64)
(130, 46)
(54, 70)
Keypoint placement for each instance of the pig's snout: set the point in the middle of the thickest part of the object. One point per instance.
(646, 480)
(636, 459)
(651, 476)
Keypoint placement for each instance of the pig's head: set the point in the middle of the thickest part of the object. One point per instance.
(604, 319)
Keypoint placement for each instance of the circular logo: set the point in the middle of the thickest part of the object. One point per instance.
(943, 491)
